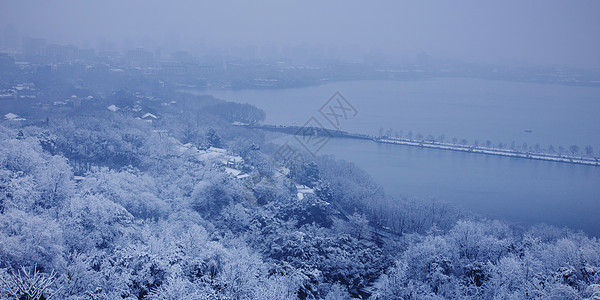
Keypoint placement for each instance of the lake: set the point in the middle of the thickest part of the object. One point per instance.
(519, 190)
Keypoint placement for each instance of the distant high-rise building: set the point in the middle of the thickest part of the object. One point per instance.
(104, 45)
(139, 57)
(87, 54)
(34, 47)
(7, 63)
(422, 58)
(251, 51)
(171, 42)
(62, 53)
(269, 51)
(183, 56)
(318, 51)
(332, 51)
(10, 38)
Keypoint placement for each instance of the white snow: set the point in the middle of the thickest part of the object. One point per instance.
(149, 115)
(242, 176)
(206, 155)
(282, 171)
(214, 149)
(13, 117)
(78, 178)
(492, 151)
(304, 189)
(232, 171)
(10, 116)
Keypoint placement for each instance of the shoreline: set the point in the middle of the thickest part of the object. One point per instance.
(295, 130)
(491, 151)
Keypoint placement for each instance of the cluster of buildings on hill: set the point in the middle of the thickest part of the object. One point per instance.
(18, 90)
(232, 164)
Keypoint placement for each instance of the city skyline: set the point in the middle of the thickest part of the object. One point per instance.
(514, 32)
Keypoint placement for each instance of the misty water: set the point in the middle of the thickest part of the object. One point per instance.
(519, 190)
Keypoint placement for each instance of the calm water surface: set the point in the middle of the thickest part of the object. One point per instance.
(473, 109)
(519, 190)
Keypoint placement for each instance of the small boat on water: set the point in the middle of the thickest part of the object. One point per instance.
(528, 131)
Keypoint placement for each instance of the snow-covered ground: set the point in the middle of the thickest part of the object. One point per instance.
(219, 156)
(303, 190)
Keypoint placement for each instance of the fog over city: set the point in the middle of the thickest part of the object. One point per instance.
(278, 150)
(512, 32)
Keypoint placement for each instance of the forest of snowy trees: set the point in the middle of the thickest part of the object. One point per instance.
(96, 204)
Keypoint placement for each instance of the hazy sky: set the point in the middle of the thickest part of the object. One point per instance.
(535, 32)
